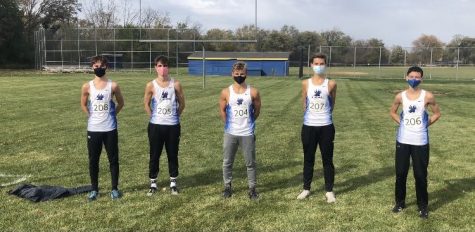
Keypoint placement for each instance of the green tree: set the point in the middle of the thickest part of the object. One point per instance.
(423, 47)
(12, 41)
(397, 55)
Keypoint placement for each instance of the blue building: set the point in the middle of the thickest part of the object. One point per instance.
(258, 63)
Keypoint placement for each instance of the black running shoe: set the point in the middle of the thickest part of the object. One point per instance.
(151, 191)
(227, 192)
(174, 190)
(399, 207)
(253, 195)
(424, 213)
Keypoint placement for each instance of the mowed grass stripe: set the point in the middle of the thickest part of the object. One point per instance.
(55, 153)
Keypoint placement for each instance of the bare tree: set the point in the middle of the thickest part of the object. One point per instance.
(154, 18)
(130, 14)
(101, 13)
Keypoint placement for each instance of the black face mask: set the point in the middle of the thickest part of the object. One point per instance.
(100, 72)
(239, 79)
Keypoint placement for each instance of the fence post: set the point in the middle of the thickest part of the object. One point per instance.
(458, 60)
(62, 60)
(354, 59)
(204, 66)
(79, 50)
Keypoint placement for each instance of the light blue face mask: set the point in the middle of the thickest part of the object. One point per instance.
(413, 83)
(319, 69)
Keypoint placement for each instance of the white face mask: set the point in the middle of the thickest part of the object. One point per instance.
(319, 69)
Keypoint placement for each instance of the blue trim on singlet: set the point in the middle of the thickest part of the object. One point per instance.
(227, 123)
(425, 119)
(252, 119)
(330, 102)
(153, 106)
(305, 115)
(400, 131)
(112, 113)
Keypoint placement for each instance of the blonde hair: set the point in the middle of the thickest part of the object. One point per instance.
(239, 66)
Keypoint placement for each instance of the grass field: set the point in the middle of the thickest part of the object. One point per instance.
(43, 134)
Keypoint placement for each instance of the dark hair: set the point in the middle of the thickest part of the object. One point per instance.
(161, 59)
(240, 65)
(101, 59)
(415, 69)
(318, 55)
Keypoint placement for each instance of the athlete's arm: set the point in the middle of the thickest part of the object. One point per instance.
(223, 101)
(256, 101)
(118, 97)
(147, 98)
(180, 96)
(304, 94)
(332, 85)
(430, 99)
(394, 107)
(84, 96)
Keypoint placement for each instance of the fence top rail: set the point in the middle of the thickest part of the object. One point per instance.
(197, 41)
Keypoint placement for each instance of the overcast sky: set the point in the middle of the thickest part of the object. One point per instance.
(396, 22)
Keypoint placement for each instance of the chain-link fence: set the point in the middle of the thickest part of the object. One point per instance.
(71, 49)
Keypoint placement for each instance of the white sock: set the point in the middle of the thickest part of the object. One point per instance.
(153, 183)
(172, 182)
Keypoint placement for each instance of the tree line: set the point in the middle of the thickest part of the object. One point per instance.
(19, 19)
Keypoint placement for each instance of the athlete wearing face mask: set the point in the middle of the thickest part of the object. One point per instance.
(100, 71)
(164, 102)
(318, 98)
(97, 101)
(412, 139)
(239, 107)
(239, 79)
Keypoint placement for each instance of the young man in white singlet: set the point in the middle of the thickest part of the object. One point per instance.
(97, 102)
(164, 102)
(413, 139)
(318, 96)
(239, 107)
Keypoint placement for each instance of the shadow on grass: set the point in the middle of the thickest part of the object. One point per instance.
(372, 177)
(454, 189)
(296, 180)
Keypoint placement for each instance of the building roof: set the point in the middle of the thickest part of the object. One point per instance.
(240, 55)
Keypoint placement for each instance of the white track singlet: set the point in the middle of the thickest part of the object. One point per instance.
(102, 117)
(414, 121)
(240, 113)
(164, 105)
(319, 105)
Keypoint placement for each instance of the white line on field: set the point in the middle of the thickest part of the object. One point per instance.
(19, 178)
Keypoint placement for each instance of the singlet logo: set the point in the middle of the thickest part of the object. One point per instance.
(412, 109)
(100, 97)
(164, 95)
(317, 94)
(239, 101)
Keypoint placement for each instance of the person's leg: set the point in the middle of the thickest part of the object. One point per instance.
(327, 136)
(172, 146)
(309, 143)
(111, 144)
(94, 148)
(402, 160)
(248, 146)
(420, 162)
(230, 146)
(172, 141)
(156, 142)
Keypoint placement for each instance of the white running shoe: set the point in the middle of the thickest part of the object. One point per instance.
(304, 194)
(330, 197)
